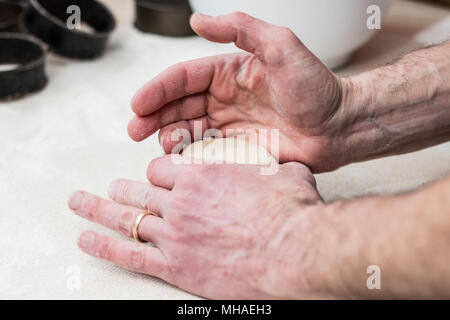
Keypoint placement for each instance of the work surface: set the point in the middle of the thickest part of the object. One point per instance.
(73, 136)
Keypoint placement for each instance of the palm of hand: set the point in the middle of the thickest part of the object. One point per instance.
(249, 94)
(279, 85)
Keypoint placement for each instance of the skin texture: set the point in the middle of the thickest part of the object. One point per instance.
(226, 231)
(397, 108)
(279, 84)
(209, 236)
(406, 236)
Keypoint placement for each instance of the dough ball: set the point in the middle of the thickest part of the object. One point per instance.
(230, 150)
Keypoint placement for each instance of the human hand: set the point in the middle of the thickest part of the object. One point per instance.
(218, 234)
(277, 84)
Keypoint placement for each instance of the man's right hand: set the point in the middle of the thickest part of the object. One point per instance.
(277, 84)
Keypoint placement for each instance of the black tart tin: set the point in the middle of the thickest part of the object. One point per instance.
(10, 15)
(29, 76)
(46, 19)
(164, 17)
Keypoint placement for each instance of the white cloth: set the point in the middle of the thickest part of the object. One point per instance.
(73, 136)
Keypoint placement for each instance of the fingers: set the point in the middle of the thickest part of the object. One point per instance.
(248, 33)
(139, 194)
(117, 217)
(183, 131)
(164, 171)
(178, 81)
(133, 256)
(187, 108)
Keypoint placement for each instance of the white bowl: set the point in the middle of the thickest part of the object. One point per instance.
(331, 29)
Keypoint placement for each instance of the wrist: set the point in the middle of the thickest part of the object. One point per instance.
(366, 134)
(339, 252)
(397, 108)
(342, 246)
(353, 235)
(324, 271)
(350, 126)
(309, 273)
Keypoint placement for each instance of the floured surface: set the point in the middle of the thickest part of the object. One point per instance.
(73, 136)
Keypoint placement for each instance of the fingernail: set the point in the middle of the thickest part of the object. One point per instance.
(76, 200)
(86, 240)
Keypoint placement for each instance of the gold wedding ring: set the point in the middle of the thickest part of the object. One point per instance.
(137, 222)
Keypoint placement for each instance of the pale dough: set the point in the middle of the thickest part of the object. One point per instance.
(230, 150)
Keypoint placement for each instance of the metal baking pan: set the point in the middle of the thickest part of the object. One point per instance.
(47, 20)
(164, 17)
(10, 15)
(26, 55)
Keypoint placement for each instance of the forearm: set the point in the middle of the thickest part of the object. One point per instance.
(398, 108)
(407, 236)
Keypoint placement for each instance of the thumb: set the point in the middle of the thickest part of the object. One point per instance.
(248, 33)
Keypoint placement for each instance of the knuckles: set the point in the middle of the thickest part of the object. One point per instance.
(183, 211)
(239, 17)
(119, 189)
(283, 42)
(125, 223)
(286, 33)
(178, 235)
